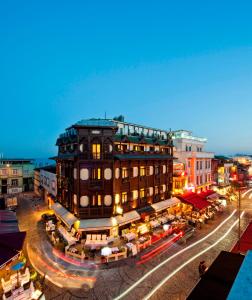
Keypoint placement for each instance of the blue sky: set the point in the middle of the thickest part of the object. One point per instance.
(167, 64)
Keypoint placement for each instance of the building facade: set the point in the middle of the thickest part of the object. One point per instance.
(180, 179)
(107, 168)
(16, 176)
(223, 170)
(37, 181)
(190, 151)
(48, 184)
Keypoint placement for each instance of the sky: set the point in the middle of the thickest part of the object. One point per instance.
(166, 64)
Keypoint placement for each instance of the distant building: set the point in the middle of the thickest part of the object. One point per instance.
(190, 151)
(48, 184)
(37, 187)
(223, 170)
(16, 176)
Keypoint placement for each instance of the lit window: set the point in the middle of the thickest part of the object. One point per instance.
(124, 197)
(99, 200)
(96, 151)
(156, 190)
(96, 173)
(124, 172)
(142, 171)
(93, 200)
(142, 193)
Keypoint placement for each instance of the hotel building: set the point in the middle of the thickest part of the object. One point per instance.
(190, 151)
(110, 172)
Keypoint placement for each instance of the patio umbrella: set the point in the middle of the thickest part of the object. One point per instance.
(17, 267)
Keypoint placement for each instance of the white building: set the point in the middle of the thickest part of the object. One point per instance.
(48, 181)
(190, 151)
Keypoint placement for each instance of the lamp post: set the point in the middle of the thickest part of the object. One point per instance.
(238, 188)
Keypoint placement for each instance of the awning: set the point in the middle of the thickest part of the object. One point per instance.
(61, 212)
(128, 217)
(209, 194)
(95, 224)
(165, 204)
(59, 209)
(146, 210)
(195, 200)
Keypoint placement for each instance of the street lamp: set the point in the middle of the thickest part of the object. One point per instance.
(238, 188)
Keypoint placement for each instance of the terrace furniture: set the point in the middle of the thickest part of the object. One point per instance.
(163, 220)
(130, 236)
(67, 236)
(154, 223)
(70, 252)
(143, 245)
(118, 255)
(96, 240)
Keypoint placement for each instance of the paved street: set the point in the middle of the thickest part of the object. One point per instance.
(110, 282)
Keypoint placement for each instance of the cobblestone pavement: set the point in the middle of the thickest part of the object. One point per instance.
(115, 279)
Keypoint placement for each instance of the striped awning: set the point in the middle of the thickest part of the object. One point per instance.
(63, 214)
(162, 205)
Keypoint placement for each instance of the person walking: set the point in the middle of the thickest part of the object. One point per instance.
(202, 268)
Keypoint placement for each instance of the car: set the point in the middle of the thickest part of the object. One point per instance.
(47, 217)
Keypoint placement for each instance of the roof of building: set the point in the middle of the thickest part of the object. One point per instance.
(219, 278)
(195, 200)
(96, 122)
(51, 169)
(222, 157)
(8, 222)
(242, 286)
(15, 160)
(10, 246)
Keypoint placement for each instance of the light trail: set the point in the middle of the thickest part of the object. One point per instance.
(57, 272)
(190, 260)
(69, 260)
(245, 193)
(173, 256)
(159, 249)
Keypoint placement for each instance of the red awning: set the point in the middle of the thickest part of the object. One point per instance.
(245, 241)
(195, 200)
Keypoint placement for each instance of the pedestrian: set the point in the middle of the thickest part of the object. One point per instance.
(202, 268)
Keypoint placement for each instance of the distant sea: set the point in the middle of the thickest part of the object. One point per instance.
(42, 162)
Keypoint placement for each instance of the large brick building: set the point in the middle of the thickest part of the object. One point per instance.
(107, 168)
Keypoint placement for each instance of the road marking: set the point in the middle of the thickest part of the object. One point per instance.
(244, 194)
(189, 261)
(173, 256)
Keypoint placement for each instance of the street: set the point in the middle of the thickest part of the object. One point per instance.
(130, 278)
